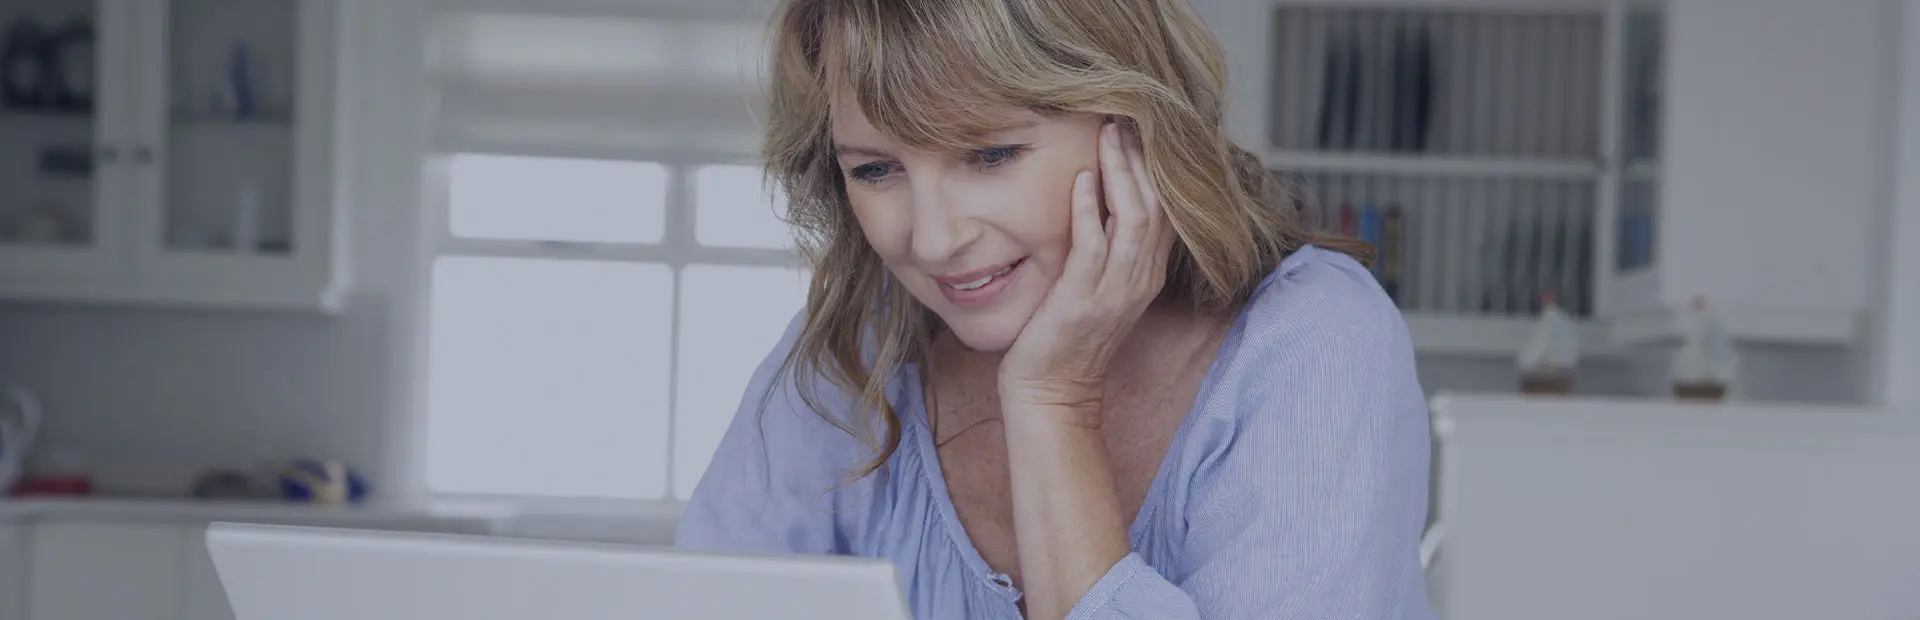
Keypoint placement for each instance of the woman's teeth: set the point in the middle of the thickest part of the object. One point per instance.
(968, 286)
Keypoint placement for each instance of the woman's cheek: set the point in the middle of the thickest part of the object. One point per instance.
(888, 230)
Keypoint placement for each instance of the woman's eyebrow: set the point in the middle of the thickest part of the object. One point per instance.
(844, 150)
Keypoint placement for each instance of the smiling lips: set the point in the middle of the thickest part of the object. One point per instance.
(977, 288)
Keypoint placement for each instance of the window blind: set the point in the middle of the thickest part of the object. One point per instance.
(574, 83)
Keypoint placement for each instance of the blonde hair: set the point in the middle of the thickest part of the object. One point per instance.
(931, 74)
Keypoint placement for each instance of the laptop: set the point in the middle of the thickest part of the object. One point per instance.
(307, 573)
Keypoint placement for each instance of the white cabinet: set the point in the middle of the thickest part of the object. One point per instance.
(1771, 119)
(13, 573)
(104, 571)
(180, 152)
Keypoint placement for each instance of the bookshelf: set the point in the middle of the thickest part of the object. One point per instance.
(1623, 155)
(1465, 140)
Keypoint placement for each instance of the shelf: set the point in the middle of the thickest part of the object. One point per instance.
(1643, 171)
(1492, 336)
(1431, 165)
(282, 121)
(45, 115)
(1803, 326)
(298, 294)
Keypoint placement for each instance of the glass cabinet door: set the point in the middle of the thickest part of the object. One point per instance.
(49, 146)
(230, 126)
(1641, 100)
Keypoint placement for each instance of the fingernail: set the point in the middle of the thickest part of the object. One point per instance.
(1083, 177)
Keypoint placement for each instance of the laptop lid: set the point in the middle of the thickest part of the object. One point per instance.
(305, 573)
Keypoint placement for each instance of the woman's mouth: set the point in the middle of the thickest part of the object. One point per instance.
(975, 284)
(978, 288)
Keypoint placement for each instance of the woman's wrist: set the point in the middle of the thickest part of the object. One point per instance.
(1072, 403)
(1037, 421)
(1067, 518)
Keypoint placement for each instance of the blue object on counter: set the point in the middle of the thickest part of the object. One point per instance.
(322, 482)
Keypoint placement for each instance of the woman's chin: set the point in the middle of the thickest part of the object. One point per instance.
(988, 334)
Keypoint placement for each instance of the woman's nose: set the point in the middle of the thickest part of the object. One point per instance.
(942, 227)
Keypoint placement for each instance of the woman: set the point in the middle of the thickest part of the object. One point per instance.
(1067, 352)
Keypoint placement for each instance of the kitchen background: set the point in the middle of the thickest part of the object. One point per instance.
(507, 257)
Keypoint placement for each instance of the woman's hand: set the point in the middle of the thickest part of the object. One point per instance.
(1113, 271)
(1067, 520)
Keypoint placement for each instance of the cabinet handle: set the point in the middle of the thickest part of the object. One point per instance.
(108, 154)
(142, 155)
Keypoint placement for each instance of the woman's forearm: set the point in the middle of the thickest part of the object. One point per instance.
(1067, 518)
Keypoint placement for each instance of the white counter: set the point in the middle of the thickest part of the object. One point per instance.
(188, 512)
(58, 555)
(1609, 508)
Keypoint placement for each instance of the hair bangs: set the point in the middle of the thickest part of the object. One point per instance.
(918, 72)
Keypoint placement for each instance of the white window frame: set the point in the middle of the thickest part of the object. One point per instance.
(678, 248)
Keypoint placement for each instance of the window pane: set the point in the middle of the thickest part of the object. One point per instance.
(737, 210)
(557, 199)
(730, 318)
(548, 378)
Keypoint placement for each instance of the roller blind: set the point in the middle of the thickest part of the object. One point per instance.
(596, 82)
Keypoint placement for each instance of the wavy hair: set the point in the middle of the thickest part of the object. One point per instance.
(932, 73)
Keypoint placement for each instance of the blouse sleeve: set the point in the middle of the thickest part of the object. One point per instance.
(1308, 499)
(769, 487)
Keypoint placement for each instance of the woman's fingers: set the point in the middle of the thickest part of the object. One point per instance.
(1158, 242)
(1086, 260)
(1137, 163)
(1127, 228)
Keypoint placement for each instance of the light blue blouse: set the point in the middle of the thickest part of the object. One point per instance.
(1296, 487)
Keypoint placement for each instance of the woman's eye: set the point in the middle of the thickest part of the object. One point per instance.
(871, 173)
(996, 155)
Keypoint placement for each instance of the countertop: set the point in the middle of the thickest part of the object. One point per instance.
(190, 511)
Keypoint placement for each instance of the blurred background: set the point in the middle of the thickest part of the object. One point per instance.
(505, 266)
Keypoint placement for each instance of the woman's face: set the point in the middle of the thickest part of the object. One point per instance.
(977, 236)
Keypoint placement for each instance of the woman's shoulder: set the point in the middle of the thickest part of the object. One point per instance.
(1320, 294)
(1318, 351)
(786, 459)
(1318, 323)
(795, 420)
(799, 406)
